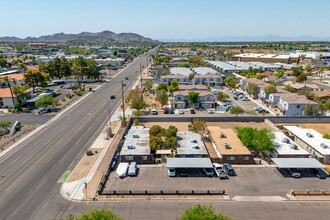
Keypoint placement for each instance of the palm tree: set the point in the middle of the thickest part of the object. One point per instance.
(8, 80)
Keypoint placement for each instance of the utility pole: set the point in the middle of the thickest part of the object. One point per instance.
(141, 83)
(122, 98)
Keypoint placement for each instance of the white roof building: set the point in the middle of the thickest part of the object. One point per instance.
(190, 143)
(286, 148)
(180, 71)
(312, 140)
(136, 141)
(204, 70)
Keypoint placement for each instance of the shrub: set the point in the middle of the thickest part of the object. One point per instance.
(18, 107)
(45, 101)
(82, 89)
(63, 99)
(39, 112)
(89, 153)
(56, 102)
(326, 136)
(78, 93)
(136, 121)
(68, 95)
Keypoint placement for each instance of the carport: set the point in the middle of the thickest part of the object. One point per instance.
(298, 163)
(189, 162)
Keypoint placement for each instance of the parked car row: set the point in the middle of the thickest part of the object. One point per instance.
(239, 95)
(261, 110)
(218, 170)
(295, 173)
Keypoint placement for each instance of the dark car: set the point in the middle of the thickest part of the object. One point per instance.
(124, 84)
(235, 97)
(126, 78)
(263, 111)
(112, 97)
(192, 111)
(318, 173)
(165, 111)
(183, 172)
(229, 169)
(171, 111)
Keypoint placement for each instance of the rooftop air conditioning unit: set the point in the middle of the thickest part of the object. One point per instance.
(196, 147)
(286, 140)
(293, 146)
(227, 146)
(309, 135)
(324, 146)
(194, 141)
(136, 136)
(222, 135)
(131, 147)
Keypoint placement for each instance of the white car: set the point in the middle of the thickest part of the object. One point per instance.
(219, 171)
(210, 111)
(246, 99)
(171, 172)
(154, 112)
(208, 171)
(181, 112)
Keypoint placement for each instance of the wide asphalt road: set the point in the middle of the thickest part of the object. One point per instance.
(29, 173)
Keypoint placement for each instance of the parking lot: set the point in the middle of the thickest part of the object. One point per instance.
(250, 181)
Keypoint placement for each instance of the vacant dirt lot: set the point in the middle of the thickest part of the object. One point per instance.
(321, 128)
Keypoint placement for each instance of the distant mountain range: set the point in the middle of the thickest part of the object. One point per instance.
(85, 37)
(266, 38)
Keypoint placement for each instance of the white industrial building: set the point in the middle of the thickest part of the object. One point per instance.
(180, 71)
(204, 70)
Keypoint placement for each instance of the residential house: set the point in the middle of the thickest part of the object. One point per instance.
(205, 100)
(182, 79)
(293, 105)
(230, 147)
(136, 146)
(193, 87)
(16, 78)
(6, 100)
(207, 79)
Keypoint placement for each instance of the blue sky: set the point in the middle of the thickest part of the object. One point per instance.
(190, 19)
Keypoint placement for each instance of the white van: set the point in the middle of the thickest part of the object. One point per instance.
(122, 170)
(132, 169)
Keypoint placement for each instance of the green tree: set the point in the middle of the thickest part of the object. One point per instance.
(175, 85)
(100, 214)
(263, 140)
(193, 97)
(78, 67)
(222, 96)
(252, 88)
(20, 92)
(161, 86)
(245, 134)
(199, 126)
(270, 89)
(138, 103)
(297, 70)
(171, 143)
(279, 73)
(289, 88)
(171, 131)
(92, 71)
(65, 68)
(148, 84)
(236, 110)
(53, 68)
(309, 110)
(157, 131)
(202, 213)
(155, 143)
(5, 124)
(123, 120)
(162, 97)
(35, 78)
(45, 101)
(309, 68)
(192, 75)
(230, 81)
(327, 104)
(133, 94)
(163, 74)
(301, 78)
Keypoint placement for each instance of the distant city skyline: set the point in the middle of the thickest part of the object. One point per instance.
(167, 20)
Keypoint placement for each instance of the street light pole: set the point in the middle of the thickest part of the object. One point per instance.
(122, 98)
(109, 112)
(141, 83)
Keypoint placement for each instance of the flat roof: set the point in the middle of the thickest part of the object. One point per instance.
(235, 144)
(190, 143)
(284, 145)
(297, 163)
(315, 139)
(136, 141)
(180, 71)
(189, 163)
(204, 70)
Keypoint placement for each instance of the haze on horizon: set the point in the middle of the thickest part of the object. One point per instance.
(167, 20)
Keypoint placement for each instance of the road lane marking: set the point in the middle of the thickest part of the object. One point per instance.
(64, 176)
